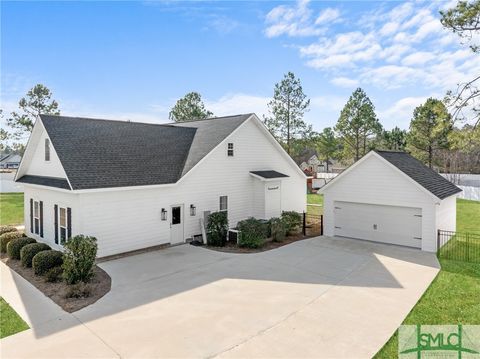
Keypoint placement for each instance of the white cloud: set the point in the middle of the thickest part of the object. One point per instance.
(405, 46)
(418, 58)
(328, 15)
(298, 20)
(345, 82)
(232, 104)
(401, 112)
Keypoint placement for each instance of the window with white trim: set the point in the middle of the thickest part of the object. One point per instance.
(62, 224)
(47, 149)
(36, 217)
(223, 203)
(230, 150)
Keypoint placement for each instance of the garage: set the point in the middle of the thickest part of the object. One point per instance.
(386, 224)
(390, 197)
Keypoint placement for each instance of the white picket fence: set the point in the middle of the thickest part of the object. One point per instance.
(469, 192)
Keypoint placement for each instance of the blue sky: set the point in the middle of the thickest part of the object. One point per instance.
(133, 60)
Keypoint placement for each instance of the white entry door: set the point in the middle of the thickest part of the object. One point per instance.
(387, 224)
(176, 224)
(273, 199)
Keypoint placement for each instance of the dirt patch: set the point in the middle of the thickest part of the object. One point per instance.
(99, 285)
(231, 247)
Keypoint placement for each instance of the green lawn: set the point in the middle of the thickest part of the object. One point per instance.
(317, 200)
(11, 208)
(453, 296)
(10, 321)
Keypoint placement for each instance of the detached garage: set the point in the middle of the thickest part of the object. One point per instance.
(390, 197)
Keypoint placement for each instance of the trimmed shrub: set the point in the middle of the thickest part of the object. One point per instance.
(292, 221)
(78, 290)
(54, 274)
(79, 259)
(28, 252)
(43, 261)
(7, 229)
(278, 229)
(253, 233)
(15, 246)
(217, 229)
(7, 237)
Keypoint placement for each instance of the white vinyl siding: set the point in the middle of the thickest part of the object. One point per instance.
(375, 182)
(130, 219)
(34, 160)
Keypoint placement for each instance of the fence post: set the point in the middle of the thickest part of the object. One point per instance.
(438, 241)
(321, 224)
(304, 224)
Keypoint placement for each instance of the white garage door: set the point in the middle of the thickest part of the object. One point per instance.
(387, 224)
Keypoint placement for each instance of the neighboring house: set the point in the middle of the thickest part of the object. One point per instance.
(135, 185)
(390, 197)
(10, 161)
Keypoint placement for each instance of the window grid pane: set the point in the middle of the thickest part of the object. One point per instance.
(63, 217)
(223, 203)
(35, 211)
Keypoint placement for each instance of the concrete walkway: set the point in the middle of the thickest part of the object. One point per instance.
(320, 297)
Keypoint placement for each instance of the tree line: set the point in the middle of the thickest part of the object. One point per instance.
(439, 134)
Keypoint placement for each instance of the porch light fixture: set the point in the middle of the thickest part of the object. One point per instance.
(193, 210)
(164, 214)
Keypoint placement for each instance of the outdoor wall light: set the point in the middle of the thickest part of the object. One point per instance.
(164, 214)
(193, 210)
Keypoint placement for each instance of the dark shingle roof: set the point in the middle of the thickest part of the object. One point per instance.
(104, 153)
(420, 173)
(45, 181)
(269, 174)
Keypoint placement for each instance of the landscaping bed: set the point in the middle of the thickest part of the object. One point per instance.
(69, 277)
(254, 235)
(99, 285)
(231, 247)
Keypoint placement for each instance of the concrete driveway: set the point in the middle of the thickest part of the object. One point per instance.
(320, 297)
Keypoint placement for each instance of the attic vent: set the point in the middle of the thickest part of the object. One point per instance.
(47, 149)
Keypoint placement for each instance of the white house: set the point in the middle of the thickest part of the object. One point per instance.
(135, 185)
(390, 197)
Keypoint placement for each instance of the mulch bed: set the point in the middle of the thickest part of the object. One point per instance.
(231, 247)
(100, 285)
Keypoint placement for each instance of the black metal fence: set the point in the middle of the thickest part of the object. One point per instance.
(458, 246)
(312, 224)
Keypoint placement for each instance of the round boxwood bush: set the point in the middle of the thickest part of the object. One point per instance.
(253, 233)
(45, 260)
(7, 229)
(15, 246)
(278, 229)
(7, 237)
(292, 221)
(217, 229)
(28, 252)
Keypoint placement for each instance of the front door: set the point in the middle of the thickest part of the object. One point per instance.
(176, 224)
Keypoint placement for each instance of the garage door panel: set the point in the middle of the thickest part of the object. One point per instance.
(387, 224)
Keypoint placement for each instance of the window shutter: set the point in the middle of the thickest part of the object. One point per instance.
(55, 210)
(41, 219)
(69, 222)
(31, 215)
